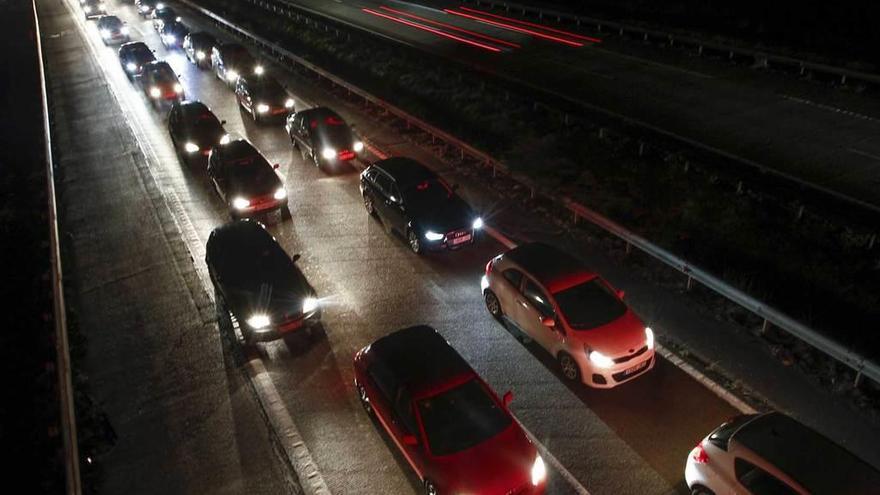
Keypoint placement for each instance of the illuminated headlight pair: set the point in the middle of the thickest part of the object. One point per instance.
(288, 103)
(328, 153)
(433, 236)
(200, 55)
(262, 108)
(191, 148)
(231, 76)
(358, 146)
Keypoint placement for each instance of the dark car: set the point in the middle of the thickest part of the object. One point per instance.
(258, 283)
(245, 180)
(323, 136)
(172, 34)
(194, 130)
(160, 83)
(112, 30)
(263, 97)
(411, 199)
(163, 15)
(197, 47)
(145, 7)
(448, 423)
(93, 9)
(133, 56)
(231, 60)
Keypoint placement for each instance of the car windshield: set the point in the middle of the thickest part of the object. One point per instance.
(427, 194)
(111, 23)
(266, 87)
(589, 305)
(166, 13)
(164, 75)
(205, 122)
(461, 418)
(253, 170)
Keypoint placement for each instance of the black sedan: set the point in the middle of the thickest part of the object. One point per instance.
(145, 7)
(160, 83)
(197, 47)
(258, 283)
(172, 34)
(133, 56)
(163, 15)
(263, 97)
(112, 30)
(93, 9)
(245, 181)
(411, 199)
(323, 136)
(194, 130)
(231, 60)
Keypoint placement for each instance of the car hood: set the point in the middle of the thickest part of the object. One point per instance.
(205, 138)
(251, 189)
(279, 294)
(499, 465)
(446, 216)
(619, 337)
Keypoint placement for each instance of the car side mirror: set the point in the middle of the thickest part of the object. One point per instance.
(620, 294)
(507, 399)
(222, 122)
(295, 257)
(548, 321)
(276, 166)
(410, 439)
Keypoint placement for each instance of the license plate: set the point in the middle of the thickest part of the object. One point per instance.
(459, 240)
(630, 371)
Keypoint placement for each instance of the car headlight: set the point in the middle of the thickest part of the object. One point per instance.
(539, 471)
(310, 304)
(258, 70)
(154, 92)
(178, 88)
(281, 193)
(191, 148)
(224, 139)
(262, 108)
(433, 236)
(649, 337)
(87, 8)
(105, 33)
(102, 6)
(231, 76)
(178, 19)
(478, 223)
(144, 8)
(124, 30)
(200, 55)
(601, 360)
(131, 66)
(358, 146)
(258, 321)
(160, 6)
(328, 153)
(288, 103)
(484, 282)
(240, 203)
(169, 38)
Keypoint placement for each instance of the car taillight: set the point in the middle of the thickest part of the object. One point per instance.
(489, 266)
(699, 454)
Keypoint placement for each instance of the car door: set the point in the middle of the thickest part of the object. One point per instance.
(241, 92)
(387, 398)
(174, 124)
(381, 189)
(397, 209)
(507, 290)
(305, 132)
(535, 305)
(217, 171)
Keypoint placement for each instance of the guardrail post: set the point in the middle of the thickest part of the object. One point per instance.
(764, 327)
(858, 379)
(687, 166)
(641, 148)
(690, 283)
(739, 187)
(871, 241)
(700, 50)
(621, 32)
(629, 248)
(601, 133)
(800, 212)
(843, 80)
(574, 217)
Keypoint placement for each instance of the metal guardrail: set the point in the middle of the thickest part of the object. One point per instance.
(760, 57)
(73, 481)
(851, 358)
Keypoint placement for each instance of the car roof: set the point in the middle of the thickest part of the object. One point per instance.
(239, 236)
(811, 459)
(405, 171)
(552, 267)
(193, 107)
(420, 358)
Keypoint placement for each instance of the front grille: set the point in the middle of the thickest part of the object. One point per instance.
(638, 353)
(619, 377)
(457, 233)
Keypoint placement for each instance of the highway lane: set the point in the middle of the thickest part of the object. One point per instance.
(824, 138)
(630, 440)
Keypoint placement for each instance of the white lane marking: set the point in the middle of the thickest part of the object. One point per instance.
(653, 63)
(842, 111)
(863, 153)
(297, 453)
(553, 461)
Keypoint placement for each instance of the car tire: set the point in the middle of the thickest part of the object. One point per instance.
(569, 367)
(493, 305)
(430, 489)
(413, 240)
(316, 160)
(368, 205)
(362, 395)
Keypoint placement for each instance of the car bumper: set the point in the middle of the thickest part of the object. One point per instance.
(287, 328)
(695, 474)
(259, 208)
(596, 377)
(448, 243)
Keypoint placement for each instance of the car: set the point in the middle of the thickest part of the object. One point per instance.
(112, 30)
(245, 181)
(160, 83)
(160, 16)
(552, 298)
(94, 9)
(409, 198)
(259, 284)
(771, 453)
(447, 422)
(194, 130)
(231, 60)
(145, 7)
(197, 47)
(262, 97)
(133, 56)
(172, 34)
(323, 137)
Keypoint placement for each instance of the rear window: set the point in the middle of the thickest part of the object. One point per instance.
(721, 437)
(589, 305)
(461, 418)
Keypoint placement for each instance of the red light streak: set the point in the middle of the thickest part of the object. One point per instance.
(516, 28)
(434, 31)
(454, 28)
(532, 24)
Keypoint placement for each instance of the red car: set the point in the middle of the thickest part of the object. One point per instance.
(453, 430)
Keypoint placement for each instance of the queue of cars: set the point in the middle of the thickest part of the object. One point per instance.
(449, 425)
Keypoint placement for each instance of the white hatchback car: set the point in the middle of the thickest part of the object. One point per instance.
(772, 454)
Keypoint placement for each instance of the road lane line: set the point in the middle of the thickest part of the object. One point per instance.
(843, 111)
(863, 153)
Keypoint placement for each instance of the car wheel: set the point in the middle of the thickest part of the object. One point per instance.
(430, 489)
(701, 490)
(316, 159)
(365, 401)
(569, 367)
(493, 305)
(414, 243)
(368, 205)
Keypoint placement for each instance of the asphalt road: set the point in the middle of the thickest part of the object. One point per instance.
(824, 137)
(632, 439)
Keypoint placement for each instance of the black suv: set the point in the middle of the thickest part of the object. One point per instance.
(133, 56)
(263, 97)
(194, 130)
(172, 34)
(197, 47)
(323, 136)
(245, 180)
(258, 283)
(231, 60)
(413, 200)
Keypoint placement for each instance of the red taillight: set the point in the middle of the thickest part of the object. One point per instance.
(489, 266)
(699, 454)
